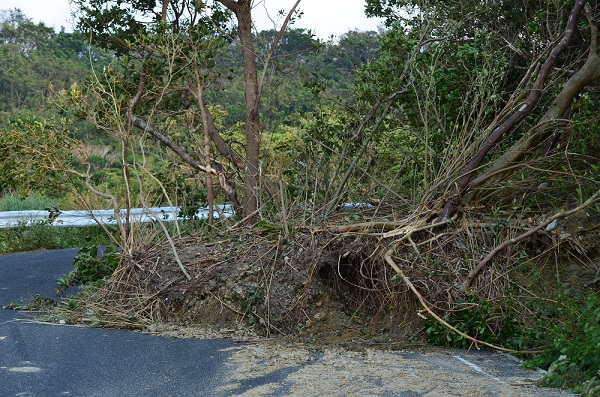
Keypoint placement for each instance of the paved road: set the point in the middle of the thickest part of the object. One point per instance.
(48, 360)
(51, 360)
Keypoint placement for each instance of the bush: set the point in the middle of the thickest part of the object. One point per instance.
(568, 330)
(573, 361)
(15, 202)
(91, 268)
(474, 317)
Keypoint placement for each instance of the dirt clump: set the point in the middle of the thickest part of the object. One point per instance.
(330, 285)
(316, 287)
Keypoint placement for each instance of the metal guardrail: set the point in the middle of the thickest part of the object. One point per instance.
(86, 218)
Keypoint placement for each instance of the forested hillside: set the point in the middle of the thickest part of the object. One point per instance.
(37, 60)
(39, 64)
(438, 180)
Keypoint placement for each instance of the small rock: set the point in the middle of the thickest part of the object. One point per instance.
(320, 316)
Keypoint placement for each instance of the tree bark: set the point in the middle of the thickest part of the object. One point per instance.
(224, 149)
(243, 12)
(209, 182)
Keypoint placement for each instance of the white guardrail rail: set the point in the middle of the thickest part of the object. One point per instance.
(84, 218)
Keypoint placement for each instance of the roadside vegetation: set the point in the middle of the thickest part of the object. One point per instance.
(437, 180)
(32, 236)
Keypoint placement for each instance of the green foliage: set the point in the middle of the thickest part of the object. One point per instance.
(34, 201)
(37, 154)
(573, 358)
(35, 60)
(568, 331)
(190, 198)
(254, 296)
(473, 316)
(31, 236)
(116, 25)
(37, 303)
(91, 268)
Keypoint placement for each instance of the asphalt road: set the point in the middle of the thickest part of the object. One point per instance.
(52, 360)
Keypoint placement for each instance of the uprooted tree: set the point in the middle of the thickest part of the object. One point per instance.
(478, 120)
(468, 105)
(538, 63)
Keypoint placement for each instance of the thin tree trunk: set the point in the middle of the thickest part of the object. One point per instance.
(209, 181)
(243, 12)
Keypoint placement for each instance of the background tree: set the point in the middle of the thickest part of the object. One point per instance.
(115, 25)
(36, 60)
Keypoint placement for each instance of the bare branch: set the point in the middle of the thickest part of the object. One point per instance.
(481, 265)
(286, 22)
(229, 190)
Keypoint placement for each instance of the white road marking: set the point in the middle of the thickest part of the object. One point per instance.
(478, 369)
(25, 369)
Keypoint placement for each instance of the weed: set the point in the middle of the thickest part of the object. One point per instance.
(255, 296)
(37, 303)
(31, 236)
(573, 361)
(16, 202)
(90, 268)
(568, 330)
(473, 316)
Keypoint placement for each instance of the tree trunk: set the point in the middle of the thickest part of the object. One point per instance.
(242, 10)
(516, 153)
(542, 130)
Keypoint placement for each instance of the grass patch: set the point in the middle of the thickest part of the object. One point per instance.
(16, 202)
(32, 236)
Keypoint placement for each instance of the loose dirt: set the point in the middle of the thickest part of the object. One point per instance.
(266, 369)
(318, 311)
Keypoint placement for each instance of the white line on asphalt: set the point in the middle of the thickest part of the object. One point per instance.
(478, 369)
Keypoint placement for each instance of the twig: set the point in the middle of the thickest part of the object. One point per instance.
(165, 231)
(366, 226)
(473, 273)
(243, 221)
(284, 214)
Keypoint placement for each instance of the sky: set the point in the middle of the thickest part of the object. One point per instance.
(323, 17)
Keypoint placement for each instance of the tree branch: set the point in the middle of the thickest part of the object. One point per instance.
(286, 22)
(451, 205)
(589, 72)
(481, 265)
(229, 190)
(409, 284)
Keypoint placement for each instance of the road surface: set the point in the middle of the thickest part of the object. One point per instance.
(52, 360)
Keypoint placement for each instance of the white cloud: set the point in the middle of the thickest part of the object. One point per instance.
(55, 13)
